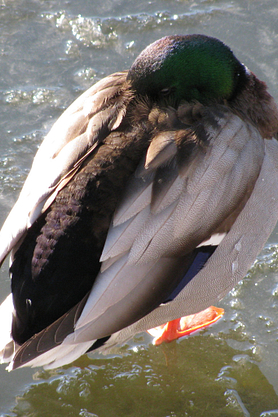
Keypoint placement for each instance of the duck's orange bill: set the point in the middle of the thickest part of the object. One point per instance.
(185, 325)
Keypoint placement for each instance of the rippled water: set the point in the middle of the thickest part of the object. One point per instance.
(50, 52)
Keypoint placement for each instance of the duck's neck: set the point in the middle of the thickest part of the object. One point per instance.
(256, 104)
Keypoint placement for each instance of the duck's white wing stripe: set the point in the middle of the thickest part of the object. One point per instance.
(214, 240)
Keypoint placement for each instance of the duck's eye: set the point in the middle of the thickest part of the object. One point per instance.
(166, 91)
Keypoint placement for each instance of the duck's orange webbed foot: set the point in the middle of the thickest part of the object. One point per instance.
(185, 325)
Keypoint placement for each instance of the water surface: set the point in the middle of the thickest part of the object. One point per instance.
(51, 51)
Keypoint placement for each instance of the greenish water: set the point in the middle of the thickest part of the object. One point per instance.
(51, 51)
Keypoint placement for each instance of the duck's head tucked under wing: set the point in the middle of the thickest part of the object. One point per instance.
(149, 199)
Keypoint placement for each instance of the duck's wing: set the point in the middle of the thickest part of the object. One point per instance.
(72, 138)
(166, 215)
(232, 258)
(173, 205)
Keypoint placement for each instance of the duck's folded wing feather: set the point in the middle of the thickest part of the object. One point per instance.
(154, 243)
(75, 134)
(148, 252)
(210, 188)
(232, 258)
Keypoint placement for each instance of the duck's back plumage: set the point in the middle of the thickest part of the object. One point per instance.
(146, 211)
(72, 138)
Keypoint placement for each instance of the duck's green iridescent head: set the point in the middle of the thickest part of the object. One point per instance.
(192, 67)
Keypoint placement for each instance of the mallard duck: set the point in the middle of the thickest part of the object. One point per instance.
(148, 200)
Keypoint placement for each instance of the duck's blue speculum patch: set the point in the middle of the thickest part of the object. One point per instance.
(201, 256)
